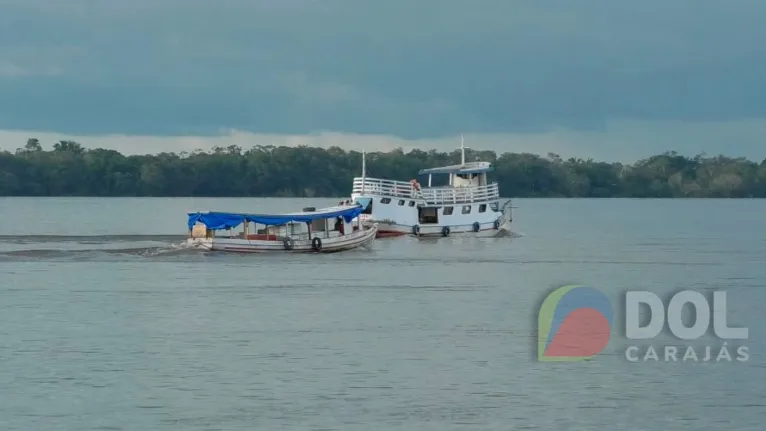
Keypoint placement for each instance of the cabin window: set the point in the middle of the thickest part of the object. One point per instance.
(401, 202)
(412, 203)
(483, 208)
(447, 211)
(494, 206)
(466, 209)
(385, 200)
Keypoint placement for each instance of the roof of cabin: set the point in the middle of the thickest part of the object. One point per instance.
(225, 220)
(468, 168)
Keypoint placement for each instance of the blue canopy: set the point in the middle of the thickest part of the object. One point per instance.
(220, 220)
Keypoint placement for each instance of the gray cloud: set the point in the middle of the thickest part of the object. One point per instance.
(414, 69)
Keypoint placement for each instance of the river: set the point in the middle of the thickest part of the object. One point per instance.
(107, 322)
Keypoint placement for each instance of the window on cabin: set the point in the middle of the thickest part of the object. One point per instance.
(385, 200)
(401, 202)
(317, 225)
(482, 208)
(447, 211)
(466, 209)
(494, 206)
(412, 203)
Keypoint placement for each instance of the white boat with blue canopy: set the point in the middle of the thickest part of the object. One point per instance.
(469, 204)
(324, 230)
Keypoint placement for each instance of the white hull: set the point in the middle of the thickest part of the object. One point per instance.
(361, 238)
(479, 219)
(387, 229)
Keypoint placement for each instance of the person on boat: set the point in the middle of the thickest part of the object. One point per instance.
(339, 224)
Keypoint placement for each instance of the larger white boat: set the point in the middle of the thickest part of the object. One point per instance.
(325, 230)
(467, 205)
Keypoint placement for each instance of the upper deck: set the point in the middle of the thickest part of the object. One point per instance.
(468, 183)
(429, 195)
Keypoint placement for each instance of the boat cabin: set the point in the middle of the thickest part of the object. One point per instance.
(326, 223)
(468, 175)
(323, 228)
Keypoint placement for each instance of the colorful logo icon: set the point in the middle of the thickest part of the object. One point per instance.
(573, 324)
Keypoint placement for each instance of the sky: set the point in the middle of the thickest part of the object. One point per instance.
(593, 78)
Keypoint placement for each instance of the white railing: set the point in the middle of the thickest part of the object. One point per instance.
(431, 195)
(460, 195)
(375, 186)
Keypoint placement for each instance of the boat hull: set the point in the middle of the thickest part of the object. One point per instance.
(400, 218)
(388, 230)
(363, 238)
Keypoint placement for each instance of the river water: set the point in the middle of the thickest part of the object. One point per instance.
(108, 323)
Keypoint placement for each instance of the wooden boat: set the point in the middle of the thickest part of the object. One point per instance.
(325, 230)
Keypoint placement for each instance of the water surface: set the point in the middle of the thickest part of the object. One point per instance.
(108, 322)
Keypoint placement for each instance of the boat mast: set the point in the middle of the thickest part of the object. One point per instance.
(462, 151)
(364, 169)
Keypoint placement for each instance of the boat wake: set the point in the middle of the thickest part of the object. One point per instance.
(106, 247)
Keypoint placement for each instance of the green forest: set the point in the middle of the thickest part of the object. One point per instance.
(69, 169)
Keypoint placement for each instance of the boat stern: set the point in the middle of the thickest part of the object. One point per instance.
(201, 243)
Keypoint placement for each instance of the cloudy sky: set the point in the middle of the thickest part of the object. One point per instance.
(606, 79)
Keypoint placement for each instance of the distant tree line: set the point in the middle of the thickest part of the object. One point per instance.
(68, 169)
